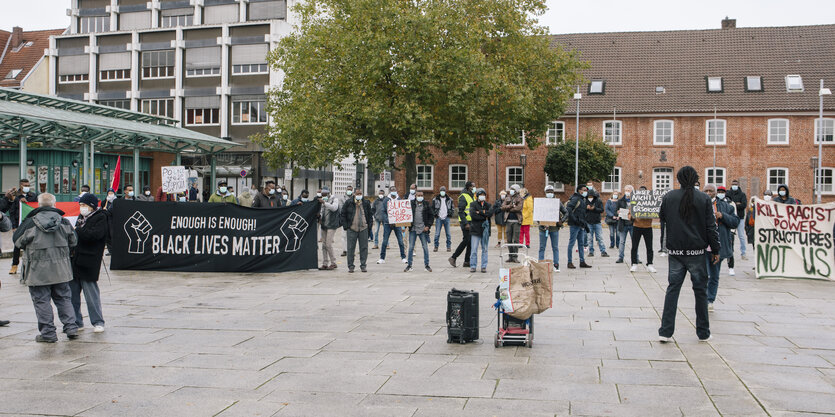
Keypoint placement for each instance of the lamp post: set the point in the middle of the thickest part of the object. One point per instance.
(523, 160)
(819, 171)
(577, 97)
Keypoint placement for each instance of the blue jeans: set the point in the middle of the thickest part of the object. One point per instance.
(398, 233)
(596, 231)
(424, 241)
(614, 238)
(576, 234)
(622, 232)
(445, 223)
(377, 225)
(93, 298)
(475, 241)
(712, 278)
(555, 241)
(740, 233)
(679, 266)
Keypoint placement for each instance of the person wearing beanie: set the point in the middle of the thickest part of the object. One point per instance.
(107, 203)
(223, 195)
(442, 210)
(92, 229)
(146, 194)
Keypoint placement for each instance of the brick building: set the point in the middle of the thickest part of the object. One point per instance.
(663, 99)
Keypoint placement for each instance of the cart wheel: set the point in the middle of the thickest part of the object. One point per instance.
(498, 342)
(530, 343)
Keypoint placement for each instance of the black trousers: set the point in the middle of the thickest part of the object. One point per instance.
(637, 234)
(679, 267)
(464, 246)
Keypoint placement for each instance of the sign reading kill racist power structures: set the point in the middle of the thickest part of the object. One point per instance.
(794, 241)
(647, 204)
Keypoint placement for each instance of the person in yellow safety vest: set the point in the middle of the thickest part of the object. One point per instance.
(464, 202)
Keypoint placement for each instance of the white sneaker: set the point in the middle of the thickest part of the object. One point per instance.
(98, 329)
(663, 339)
(652, 269)
(663, 254)
(634, 268)
(731, 272)
(709, 306)
(405, 261)
(709, 338)
(556, 269)
(381, 261)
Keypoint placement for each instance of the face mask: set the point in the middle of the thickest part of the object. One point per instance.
(482, 198)
(304, 199)
(325, 198)
(590, 187)
(182, 199)
(419, 199)
(84, 210)
(349, 192)
(615, 196)
(503, 195)
(720, 196)
(146, 193)
(591, 199)
(25, 190)
(443, 193)
(358, 197)
(782, 193)
(767, 198)
(393, 194)
(285, 196)
(627, 195)
(223, 190)
(130, 193)
(318, 194)
(549, 195)
(696, 187)
(735, 187)
(585, 193)
(512, 192)
(111, 197)
(272, 192)
(381, 196)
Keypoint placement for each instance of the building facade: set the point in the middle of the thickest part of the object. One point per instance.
(735, 103)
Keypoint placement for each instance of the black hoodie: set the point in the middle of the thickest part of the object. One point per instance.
(691, 237)
(788, 199)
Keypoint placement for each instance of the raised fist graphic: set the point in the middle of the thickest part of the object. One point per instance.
(138, 228)
(293, 230)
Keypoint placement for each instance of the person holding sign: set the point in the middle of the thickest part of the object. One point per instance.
(691, 228)
(641, 228)
(727, 221)
(388, 228)
(422, 218)
(552, 231)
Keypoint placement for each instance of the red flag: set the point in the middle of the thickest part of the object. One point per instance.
(117, 174)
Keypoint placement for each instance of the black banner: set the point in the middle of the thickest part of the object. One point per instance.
(213, 237)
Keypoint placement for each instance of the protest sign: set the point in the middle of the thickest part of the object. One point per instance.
(546, 211)
(623, 214)
(647, 204)
(794, 241)
(400, 212)
(174, 180)
(171, 236)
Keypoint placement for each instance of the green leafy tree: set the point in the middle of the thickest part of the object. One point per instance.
(597, 160)
(384, 79)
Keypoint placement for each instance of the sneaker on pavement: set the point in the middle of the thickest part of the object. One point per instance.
(43, 339)
(72, 335)
(590, 255)
(4, 323)
(405, 261)
(465, 264)
(381, 261)
(651, 269)
(376, 247)
(731, 272)
(663, 254)
(483, 270)
(571, 266)
(709, 306)
(604, 254)
(557, 268)
(98, 329)
(663, 339)
(363, 269)
(451, 261)
(408, 269)
(709, 338)
(351, 270)
(449, 249)
(472, 269)
(436, 249)
(428, 269)
(344, 253)
(633, 268)
(619, 261)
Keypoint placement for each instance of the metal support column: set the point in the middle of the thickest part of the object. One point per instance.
(178, 159)
(85, 164)
(136, 184)
(92, 170)
(213, 174)
(23, 157)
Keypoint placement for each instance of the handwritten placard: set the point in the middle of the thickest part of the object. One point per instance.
(546, 210)
(400, 212)
(647, 204)
(174, 179)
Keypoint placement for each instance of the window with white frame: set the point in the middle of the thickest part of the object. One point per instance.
(115, 75)
(176, 20)
(558, 186)
(612, 132)
(662, 178)
(777, 177)
(157, 64)
(249, 112)
(195, 117)
(250, 59)
(93, 24)
(246, 69)
(825, 182)
(714, 84)
(753, 83)
(794, 84)
(73, 78)
(663, 132)
(73, 69)
(514, 176)
(158, 107)
(555, 134)
(778, 132)
(457, 177)
(519, 140)
(715, 176)
(597, 87)
(119, 104)
(425, 177)
(715, 132)
(614, 181)
(203, 62)
(827, 133)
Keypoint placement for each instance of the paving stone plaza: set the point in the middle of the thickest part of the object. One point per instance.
(329, 343)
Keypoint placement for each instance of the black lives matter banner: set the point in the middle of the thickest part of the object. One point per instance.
(647, 204)
(212, 237)
(794, 241)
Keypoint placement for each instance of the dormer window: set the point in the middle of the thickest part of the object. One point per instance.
(13, 74)
(794, 83)
(660, 90)
(754, 83)
(597, 87)
(714, 84)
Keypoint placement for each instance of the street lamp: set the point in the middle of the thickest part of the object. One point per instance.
(523, 160)
(577, 96)
(819, 172)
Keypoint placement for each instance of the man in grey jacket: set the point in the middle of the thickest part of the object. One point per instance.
(330, 222)
(46, 239)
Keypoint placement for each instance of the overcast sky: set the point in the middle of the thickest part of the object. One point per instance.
(564, 16)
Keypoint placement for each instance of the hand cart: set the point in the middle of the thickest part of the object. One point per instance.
(510, 330)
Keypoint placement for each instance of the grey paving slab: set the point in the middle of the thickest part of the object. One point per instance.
(525, 390)
(437, 386)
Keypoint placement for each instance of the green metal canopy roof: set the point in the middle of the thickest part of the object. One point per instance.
(69, 124)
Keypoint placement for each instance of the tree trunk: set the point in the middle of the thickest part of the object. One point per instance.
(410, 163)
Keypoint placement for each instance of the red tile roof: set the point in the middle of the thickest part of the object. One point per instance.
(633, 64)
(25, 58)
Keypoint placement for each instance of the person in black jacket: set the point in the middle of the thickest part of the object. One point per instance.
(740, 202)
(464, 201)
(356, 221)
(594, 208)
(422, 218)
(783, 195)
(691, 227)
(23, 193)
(5, 226)
(480, 214)
(577, 226)
(92, 228)
(442, 208)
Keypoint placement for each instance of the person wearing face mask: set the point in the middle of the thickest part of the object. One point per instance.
(512, 211)
(552, 232)
(577, 226)
(480, 213)
(641, 229)
(146, 194)
(222, 195)
(422, 218)
(722, 194)
(24, 193)
(624, 224)
(464, 200)
(412, 192)
(349, 194)
(739, 200)
(285, 198)
(330, 222)
(92, 229)
(611, 221)
(107, 203)
(247, 196)
(749, 222)
(129, 193)
(783, 195)
(84, 189)
(304, 197)
(727, 222)
(266, 198)
(194, 193)
(442, 208)
(378, 208)
(356, 220)
(594, 208)
(498, 218)
(388, 228)
(527, 218)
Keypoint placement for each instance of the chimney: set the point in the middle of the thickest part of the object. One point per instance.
(728, 23)
(17, 37)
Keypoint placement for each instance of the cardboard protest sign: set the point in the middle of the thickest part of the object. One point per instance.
(400, 212)
(623, 213)
(794, 241)
(647, 204)
(546, 211)
(174, 179)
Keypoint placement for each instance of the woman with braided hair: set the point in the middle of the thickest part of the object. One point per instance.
(692, 235)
